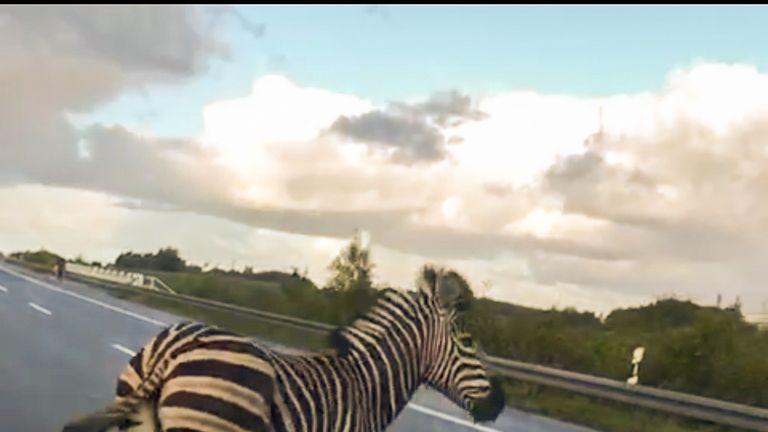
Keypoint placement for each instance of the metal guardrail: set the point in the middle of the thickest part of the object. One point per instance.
(707, 409)
(213, 304)
(713, 410)
(158, 285)
(119, 276)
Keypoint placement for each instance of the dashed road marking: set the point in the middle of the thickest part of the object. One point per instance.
(84, 298)
(450, 418)
(39, 308)
(123, 349)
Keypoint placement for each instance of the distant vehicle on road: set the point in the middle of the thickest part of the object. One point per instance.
(59, 268)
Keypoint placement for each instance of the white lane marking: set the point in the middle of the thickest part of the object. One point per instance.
(84, 298)
(450, 418)
(39, 308)
(416, 407)
(3, 289)
(123, 349)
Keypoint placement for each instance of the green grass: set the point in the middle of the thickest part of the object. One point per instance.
(292, 297)
(206, 283)
(223, 288)
(37, 267)
(596, 413)
(249, 325)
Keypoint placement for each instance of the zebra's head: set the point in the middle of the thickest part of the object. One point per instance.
(451, 360)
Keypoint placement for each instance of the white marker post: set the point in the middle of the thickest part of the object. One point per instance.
(637, 357)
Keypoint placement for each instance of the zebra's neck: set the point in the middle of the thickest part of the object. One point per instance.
(383, 352)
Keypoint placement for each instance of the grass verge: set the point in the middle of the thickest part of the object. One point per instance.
(245, 324)
(596, 413)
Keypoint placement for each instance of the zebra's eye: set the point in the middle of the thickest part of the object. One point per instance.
(466, 340)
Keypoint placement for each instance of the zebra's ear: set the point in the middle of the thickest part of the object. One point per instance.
(449, 288)
(427, 280)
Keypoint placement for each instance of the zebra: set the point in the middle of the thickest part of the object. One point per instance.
(195, 377)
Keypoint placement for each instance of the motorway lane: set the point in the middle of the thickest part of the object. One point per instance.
(62, 351)
(55, 366)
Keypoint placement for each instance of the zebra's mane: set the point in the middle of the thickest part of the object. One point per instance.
(338, 338)
(453, 291)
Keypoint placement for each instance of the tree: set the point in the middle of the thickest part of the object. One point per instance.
(350, 282)
(737, 305)
(352, 268)
(164, 260)
(168, 260)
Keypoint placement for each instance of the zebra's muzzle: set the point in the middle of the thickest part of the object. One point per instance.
(489, 408)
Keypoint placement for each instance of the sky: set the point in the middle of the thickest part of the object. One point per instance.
(588, 157)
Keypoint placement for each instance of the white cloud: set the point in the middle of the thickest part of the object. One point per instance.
(523, 135)
(277, 112)
(667, 198)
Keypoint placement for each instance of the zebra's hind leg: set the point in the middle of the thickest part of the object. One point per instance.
(144, 419)
(98, 422)
(110, 422)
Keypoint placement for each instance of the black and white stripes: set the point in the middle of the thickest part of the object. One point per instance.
(195, 377)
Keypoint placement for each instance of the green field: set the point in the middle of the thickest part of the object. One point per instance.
(597, 413)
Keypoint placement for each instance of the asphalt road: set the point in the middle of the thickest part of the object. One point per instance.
(62, 346)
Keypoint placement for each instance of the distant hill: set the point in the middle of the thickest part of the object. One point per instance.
(569, 317)
(274, 276)
(662, 315)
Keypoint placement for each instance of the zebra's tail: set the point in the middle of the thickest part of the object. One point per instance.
(133, 410)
